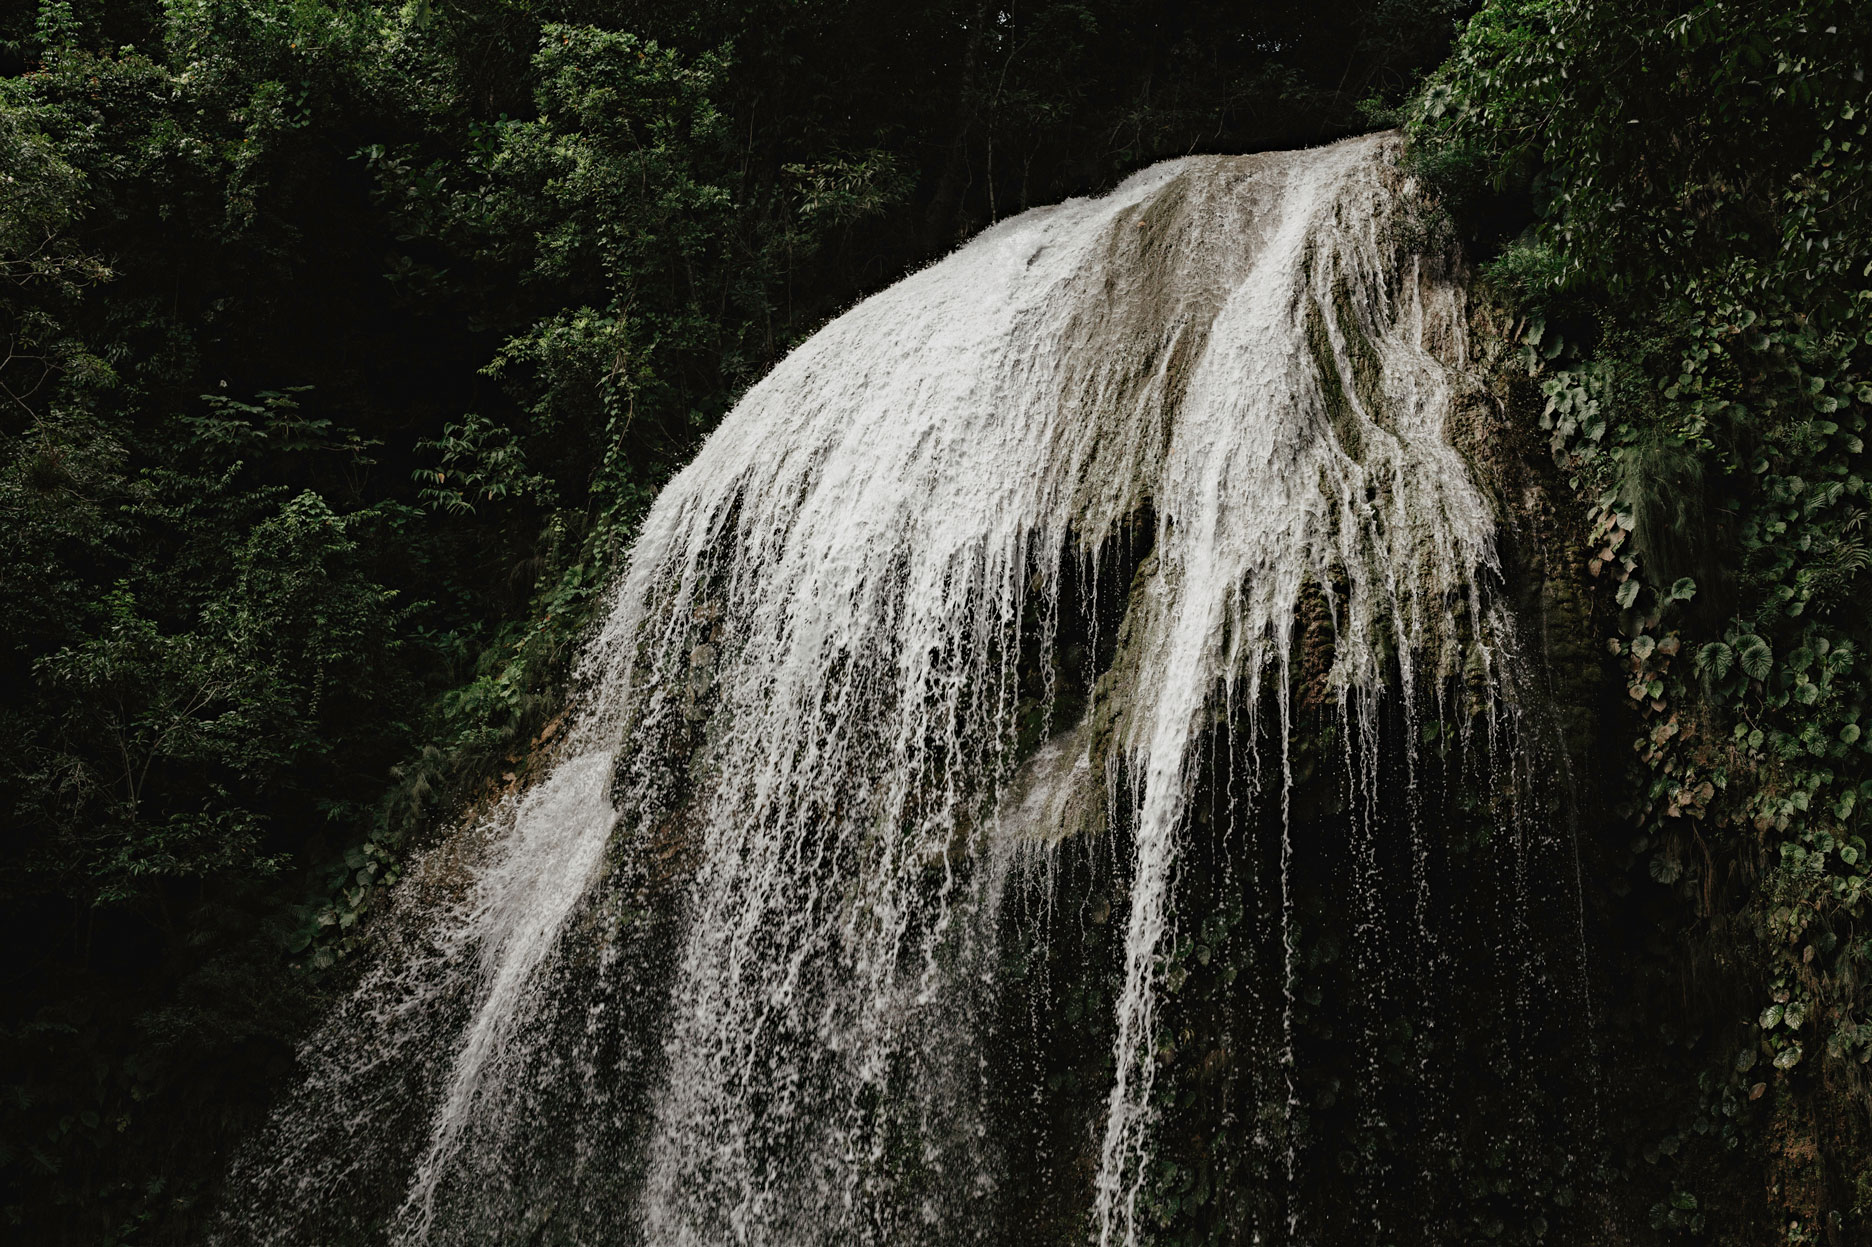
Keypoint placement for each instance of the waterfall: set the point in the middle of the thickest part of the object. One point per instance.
(999, 578)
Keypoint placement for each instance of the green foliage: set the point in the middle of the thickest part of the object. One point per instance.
(1694, 286)
(480, 462)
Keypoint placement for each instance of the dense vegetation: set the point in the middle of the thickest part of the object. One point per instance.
(1693, 285)
(343, 343)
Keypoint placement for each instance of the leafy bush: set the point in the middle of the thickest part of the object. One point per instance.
(1693, 288)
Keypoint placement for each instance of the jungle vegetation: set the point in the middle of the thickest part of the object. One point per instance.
(345, 341)
(1671, 198)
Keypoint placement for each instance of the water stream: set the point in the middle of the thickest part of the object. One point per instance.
(994, 583)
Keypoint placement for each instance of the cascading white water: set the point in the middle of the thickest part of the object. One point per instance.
(809, 725)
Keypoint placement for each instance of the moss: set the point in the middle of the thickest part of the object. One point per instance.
(1339, 411)
(1367, 368)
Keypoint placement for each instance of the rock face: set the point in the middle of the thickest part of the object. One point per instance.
(1063, 762)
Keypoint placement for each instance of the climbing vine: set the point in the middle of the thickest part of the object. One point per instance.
(1672, 198)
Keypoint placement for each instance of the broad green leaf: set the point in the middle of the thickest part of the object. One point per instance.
(1756, 659)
